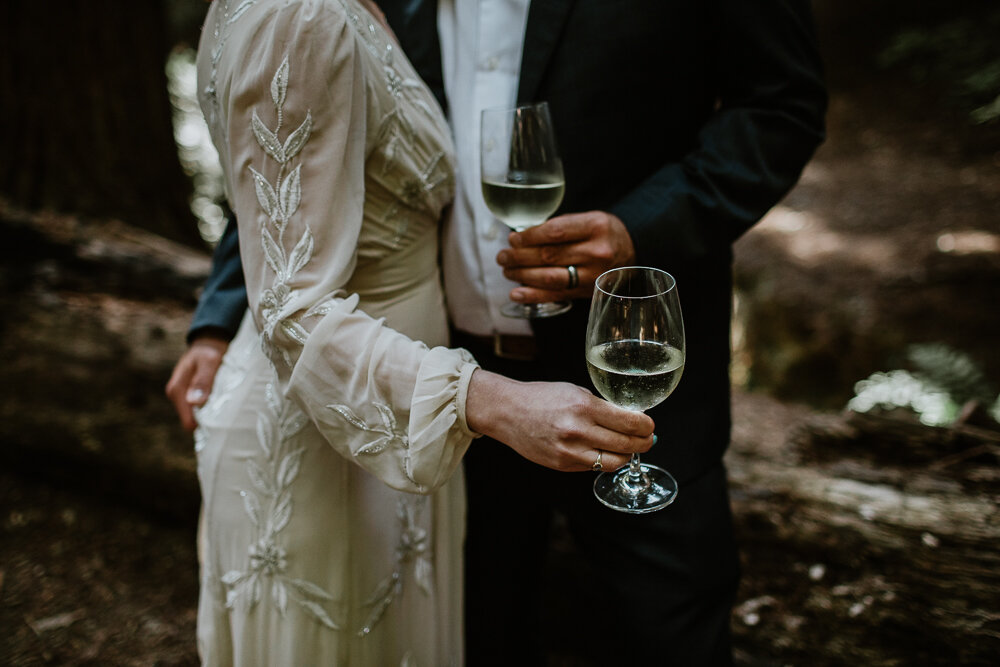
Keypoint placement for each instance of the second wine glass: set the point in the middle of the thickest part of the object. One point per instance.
(522, 178)
(635, 355)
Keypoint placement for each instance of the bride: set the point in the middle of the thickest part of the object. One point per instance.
(329, 450)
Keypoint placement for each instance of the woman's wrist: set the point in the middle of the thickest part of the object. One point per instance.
(487, 401)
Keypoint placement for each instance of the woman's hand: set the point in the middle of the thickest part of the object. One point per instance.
(555, 424)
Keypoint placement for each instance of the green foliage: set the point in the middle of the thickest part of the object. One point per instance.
(962, 53)
(940, 381)
(955, 372)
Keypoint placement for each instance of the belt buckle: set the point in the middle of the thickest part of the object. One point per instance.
(505, 352)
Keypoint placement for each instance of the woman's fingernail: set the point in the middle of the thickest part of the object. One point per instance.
(195, 396)
(654, 438)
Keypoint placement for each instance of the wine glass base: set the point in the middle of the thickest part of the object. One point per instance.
(655, 489)
(532, 311)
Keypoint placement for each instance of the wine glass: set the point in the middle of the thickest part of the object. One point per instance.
(635, 356)
(522, 178)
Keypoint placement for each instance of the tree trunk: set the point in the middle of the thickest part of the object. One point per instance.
(94, 318)
(866, 540)
(86, 123)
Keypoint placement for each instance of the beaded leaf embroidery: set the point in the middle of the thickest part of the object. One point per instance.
(280, 201)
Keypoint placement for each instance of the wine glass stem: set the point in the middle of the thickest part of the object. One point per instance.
(633, 483)
(634, 470)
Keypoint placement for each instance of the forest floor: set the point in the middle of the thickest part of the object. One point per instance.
(905, 192)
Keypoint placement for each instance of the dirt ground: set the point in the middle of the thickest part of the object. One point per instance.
(85, 582)
(904, 194)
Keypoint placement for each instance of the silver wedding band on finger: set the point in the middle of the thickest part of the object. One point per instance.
(598, 466)
(574, 277)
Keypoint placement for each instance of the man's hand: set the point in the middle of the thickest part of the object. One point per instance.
(193, 376)
(593, 242)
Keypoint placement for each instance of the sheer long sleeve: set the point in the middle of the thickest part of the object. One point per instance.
(297, 117)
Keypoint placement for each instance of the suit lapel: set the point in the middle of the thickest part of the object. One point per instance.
(545, 22)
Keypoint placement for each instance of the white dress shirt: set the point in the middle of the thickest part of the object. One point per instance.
(481, 46)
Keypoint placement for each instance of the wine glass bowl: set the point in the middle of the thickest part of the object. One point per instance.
(522, 178)
(635, 356)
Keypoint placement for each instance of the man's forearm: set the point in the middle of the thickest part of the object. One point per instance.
(224, 298)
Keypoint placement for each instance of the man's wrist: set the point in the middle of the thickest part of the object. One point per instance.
(210, 333)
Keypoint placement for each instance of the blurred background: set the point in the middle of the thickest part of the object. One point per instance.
(866, 375)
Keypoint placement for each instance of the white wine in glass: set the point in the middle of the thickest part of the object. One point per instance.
(520, 205)
(635, 356)
(522, 178)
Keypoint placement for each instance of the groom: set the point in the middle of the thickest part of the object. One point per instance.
(679, 124)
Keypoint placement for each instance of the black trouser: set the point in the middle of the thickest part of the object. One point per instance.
(662, 582)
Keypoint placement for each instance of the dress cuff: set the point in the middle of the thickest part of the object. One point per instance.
(464, 378)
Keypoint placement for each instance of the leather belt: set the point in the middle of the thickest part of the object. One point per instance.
(505, 346)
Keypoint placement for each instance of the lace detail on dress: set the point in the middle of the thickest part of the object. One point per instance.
(430, 178)
(413, 548)
(223, 21)
(395, 135)
(380, 45)
(272, 471)
(402, 221)
(268, 504)
(388, 433)
(395, 132)
(394, 129)
(280, 201)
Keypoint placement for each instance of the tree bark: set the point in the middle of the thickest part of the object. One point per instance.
(94, 317)
(86, 124)
(865, 539)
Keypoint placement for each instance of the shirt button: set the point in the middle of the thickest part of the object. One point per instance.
(490, 231)
(492, 64)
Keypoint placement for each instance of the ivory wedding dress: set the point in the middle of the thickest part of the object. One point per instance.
(329, 450)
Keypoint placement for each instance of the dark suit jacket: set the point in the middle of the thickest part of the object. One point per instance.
(688, 119)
